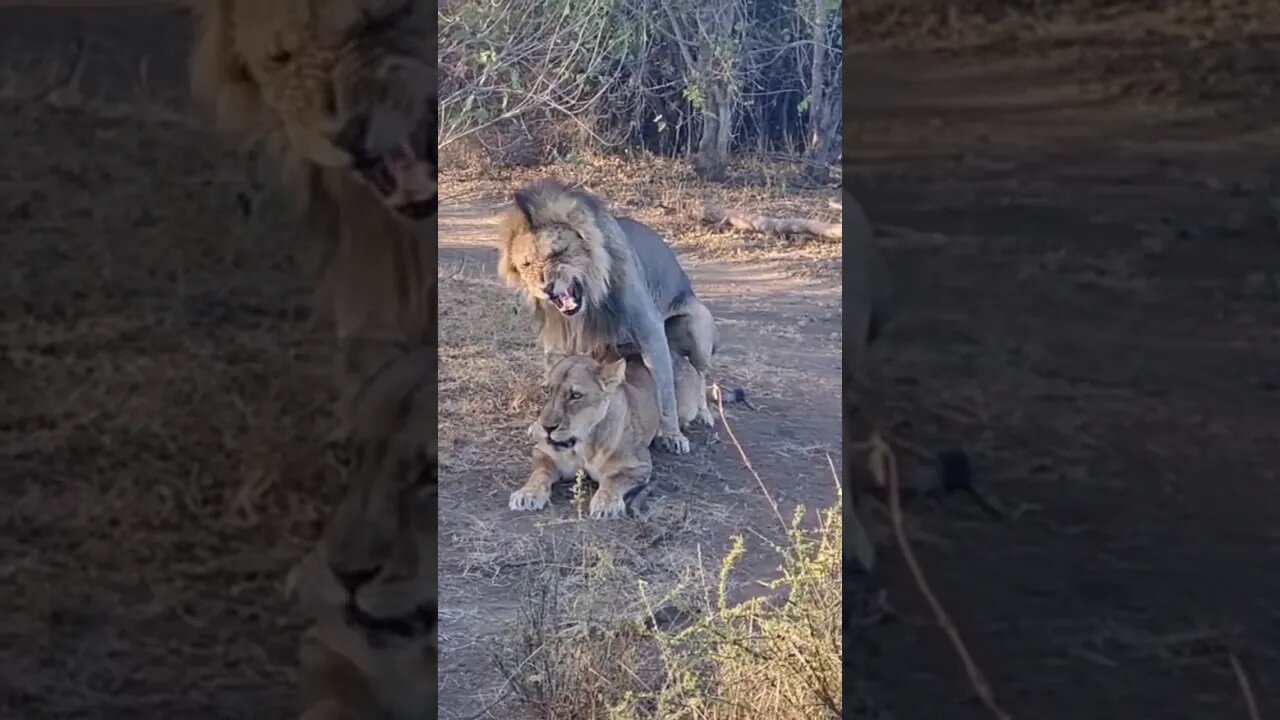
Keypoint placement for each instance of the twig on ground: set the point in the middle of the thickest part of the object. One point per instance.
(716, 215)
(1246, 689)
(747, 461)
(506, 686)
(863, 549)
(884, 466)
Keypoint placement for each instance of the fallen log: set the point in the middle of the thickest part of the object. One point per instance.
(718, 216)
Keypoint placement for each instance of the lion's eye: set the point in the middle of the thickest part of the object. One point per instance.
(280, 57)
(575, 395)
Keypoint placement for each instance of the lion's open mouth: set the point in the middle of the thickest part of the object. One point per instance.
(417, 623)
(568, 303)
(565, 444)
(404, 177)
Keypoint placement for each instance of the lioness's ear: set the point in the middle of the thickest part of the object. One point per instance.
(578, 218)
(220, 77)
(550, 360)
(612, 374)
(359, 359)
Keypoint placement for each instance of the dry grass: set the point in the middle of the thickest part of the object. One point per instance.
(585, 631)
(692, 653)
(663, 193)
(991, 24)
(160, 375)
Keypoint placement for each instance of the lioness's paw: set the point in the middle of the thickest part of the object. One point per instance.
(529, 498)
(328, 710)
(675, 443)
(606, 505)
(705, 417)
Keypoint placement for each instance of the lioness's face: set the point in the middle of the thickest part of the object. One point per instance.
(376, 561)
(375, 565)
(578, 399)
(553, 264)
(350, 83)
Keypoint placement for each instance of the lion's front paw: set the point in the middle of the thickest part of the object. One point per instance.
(607, 505)
(705, 417)
(674, 442)
(530, 497)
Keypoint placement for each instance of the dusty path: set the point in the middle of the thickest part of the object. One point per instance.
(1091, 309)
(780, 338)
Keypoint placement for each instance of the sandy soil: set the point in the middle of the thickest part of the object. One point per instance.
(1087, 234)
(779, 338)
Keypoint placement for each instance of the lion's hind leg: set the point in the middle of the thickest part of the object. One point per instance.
(691, 393)
(691, 332)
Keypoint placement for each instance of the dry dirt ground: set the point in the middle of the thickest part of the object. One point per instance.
(779, 339)
(158, 390)
(1086, 234)
(1086, 226)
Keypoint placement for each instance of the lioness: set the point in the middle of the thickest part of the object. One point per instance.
(369, 586)
(599, 283)
(600, 418)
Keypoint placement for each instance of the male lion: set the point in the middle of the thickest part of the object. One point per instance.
(599, 283)
(370, 584)
(600, 418)
(344, 91)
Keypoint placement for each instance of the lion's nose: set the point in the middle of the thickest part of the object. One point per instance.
(549, 428)
(352, 138)
(353, 579)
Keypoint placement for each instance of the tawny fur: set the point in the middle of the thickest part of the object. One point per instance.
(600, 419)
(384, 533)
(636, 297)
(377, 269)
(290, 76)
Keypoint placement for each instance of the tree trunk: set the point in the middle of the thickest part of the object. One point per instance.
(821, 126)
(712, 161)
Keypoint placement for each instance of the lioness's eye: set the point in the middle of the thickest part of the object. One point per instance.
(280, 57)
(575, 395)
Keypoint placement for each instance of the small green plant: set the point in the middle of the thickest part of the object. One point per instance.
(776, 655)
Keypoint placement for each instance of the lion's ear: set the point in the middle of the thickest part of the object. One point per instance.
(220, 76)
(612, 374)
(524, 203)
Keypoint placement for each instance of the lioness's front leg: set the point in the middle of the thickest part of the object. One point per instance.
(333, 688)
(657, 357)
(537, 491)
(610, 500)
